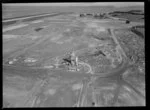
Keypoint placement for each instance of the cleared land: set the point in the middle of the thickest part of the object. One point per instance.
(45, 64)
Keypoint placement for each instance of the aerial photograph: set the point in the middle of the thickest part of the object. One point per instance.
(73, 55)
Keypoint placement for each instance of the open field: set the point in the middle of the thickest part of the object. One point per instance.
(69, 61)
(12, 12)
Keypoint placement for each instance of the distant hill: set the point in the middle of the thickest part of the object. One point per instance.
(132, 14)
(129, 8)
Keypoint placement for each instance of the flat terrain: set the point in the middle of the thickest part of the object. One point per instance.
(33, 70)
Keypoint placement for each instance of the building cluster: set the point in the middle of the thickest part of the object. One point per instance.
(94, 15)
(102, 16)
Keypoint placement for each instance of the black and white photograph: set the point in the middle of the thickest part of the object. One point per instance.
(73, 54)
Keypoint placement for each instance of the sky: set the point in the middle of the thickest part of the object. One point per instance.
(116, 4)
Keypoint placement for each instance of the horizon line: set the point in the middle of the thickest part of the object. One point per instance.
(116, 4)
